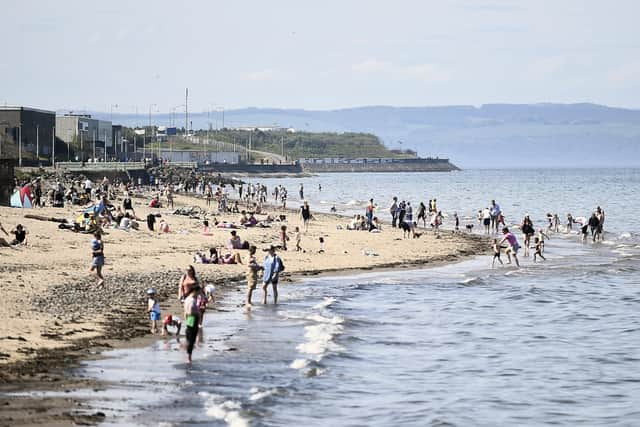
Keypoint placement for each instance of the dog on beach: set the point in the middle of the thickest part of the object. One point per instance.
(469, 228)
(406, 230)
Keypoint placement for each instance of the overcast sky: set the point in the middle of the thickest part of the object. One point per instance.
(317, 55)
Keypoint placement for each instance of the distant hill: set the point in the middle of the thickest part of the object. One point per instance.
(492, 135)
(297, 145)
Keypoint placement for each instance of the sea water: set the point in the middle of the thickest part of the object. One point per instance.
(556, 342)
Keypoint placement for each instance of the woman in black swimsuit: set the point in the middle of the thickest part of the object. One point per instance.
(527, 231)
(305, 212)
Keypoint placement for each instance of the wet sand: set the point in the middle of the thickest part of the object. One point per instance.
(55, 316)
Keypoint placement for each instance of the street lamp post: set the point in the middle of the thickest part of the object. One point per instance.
(37, 142)
(81, 146)
(150, 107)
(53, 148)
(20, 145)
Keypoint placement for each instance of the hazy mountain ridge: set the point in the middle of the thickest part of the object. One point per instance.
(576, 135)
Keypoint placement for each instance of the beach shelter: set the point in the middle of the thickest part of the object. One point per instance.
(22, 198)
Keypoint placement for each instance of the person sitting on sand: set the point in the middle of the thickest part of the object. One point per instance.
(375, 226)
(251, 221)
(155, 202)
(236, 243)
(243, 217)
(20, 234)
(163, 226)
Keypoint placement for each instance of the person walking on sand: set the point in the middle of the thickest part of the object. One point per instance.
(422, 214)
(97, 257)
(272, 267)
(305, 213)
(513, 247)
(252, 274)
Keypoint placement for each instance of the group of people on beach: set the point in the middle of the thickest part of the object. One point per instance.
(195, 296)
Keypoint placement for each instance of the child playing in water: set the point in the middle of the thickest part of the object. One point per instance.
(173, 321)
(496, 253)
(283, 237)
(541, 237)
(153, 308)
(538, 245)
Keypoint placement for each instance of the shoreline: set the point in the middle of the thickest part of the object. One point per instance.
(121, 320)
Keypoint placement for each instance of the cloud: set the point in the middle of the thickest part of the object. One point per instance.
(260, 75)
(428, 73)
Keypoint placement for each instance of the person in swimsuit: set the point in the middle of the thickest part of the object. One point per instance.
(528, 231)
(305, 213)
(187, 281)
(538, 246)
(252, 274)
(496, 253)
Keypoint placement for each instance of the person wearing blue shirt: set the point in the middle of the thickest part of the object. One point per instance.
(272, 267)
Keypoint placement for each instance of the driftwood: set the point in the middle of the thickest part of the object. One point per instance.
(46, 218)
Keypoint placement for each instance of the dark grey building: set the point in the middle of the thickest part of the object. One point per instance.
(26, 132)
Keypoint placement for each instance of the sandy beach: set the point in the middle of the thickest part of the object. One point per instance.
(54, 314)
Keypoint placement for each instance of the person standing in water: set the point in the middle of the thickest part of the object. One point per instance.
(496, 253)
(192, 318)
(511, 240)
(272, 267)
(301, 192)
(495, 212)
(252, 274)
